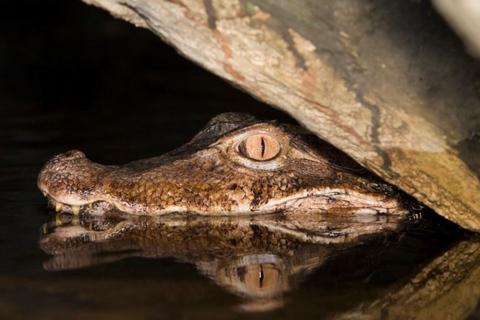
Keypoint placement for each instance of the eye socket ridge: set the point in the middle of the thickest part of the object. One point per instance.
(259, 147)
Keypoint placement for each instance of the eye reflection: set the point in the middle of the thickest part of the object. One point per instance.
(260, 147)
(260, 278)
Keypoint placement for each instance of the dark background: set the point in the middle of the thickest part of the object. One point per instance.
(76, 63)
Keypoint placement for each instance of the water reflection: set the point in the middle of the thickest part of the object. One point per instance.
(446, 288)
(256, 258)
(261, 259)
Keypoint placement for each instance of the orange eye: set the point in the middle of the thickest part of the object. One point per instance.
(260, 147)
(262, 278)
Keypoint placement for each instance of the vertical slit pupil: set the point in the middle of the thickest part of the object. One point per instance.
(263, 146)
(261, 276)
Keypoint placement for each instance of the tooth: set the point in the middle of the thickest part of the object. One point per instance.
(44, 229)
(76, 210)
(90, 205)
(58, 206)
(45, 193)
(58, 219)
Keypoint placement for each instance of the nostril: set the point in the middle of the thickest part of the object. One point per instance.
(73, 154)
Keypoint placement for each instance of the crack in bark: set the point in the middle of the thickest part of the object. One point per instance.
(300, 60)
(375, 111)
(210, 10)
(134, 9)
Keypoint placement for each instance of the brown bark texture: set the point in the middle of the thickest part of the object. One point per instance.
(388, 82)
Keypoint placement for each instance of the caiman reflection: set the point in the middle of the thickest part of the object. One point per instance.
(257, 258)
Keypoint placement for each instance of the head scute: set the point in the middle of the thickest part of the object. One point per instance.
(224, 123)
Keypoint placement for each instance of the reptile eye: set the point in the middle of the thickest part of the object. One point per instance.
(260, 147)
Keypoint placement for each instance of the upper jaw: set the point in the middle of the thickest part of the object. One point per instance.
(82, 192)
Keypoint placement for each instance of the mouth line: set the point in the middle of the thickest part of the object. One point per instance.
(361, 205)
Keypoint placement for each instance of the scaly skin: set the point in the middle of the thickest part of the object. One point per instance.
(212, 175)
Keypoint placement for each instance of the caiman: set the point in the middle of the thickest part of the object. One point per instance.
(235, 165)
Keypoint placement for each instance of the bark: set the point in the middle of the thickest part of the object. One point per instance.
(385, 81)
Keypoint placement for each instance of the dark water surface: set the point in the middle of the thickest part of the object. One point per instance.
(74, 78)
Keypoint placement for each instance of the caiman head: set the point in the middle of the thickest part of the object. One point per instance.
(235, 165)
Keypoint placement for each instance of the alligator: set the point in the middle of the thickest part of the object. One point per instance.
(236, 165)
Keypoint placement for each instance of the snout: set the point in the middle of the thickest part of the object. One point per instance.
(70, 178)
